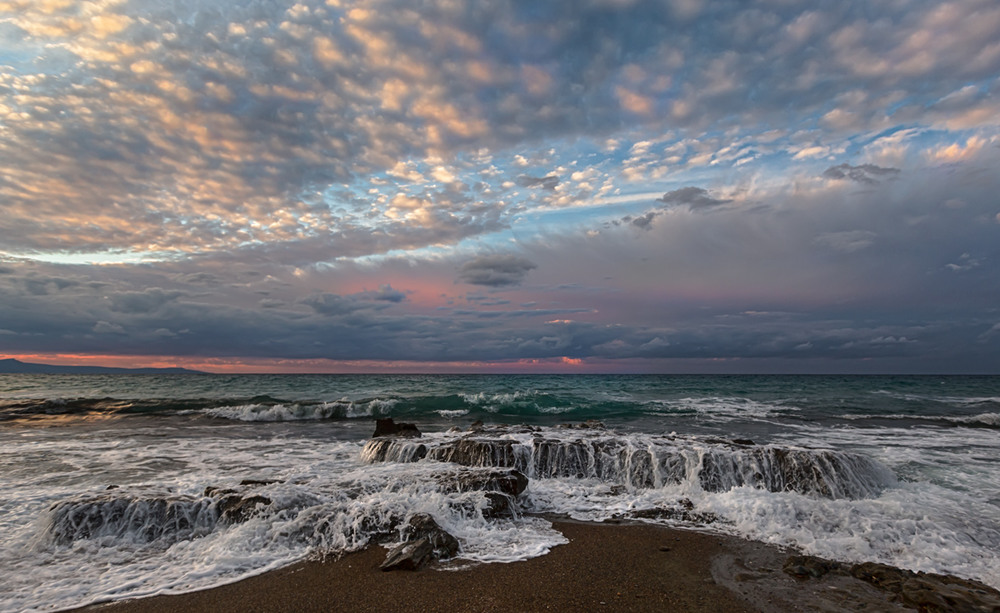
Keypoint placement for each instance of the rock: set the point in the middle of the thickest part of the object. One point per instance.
(237, 508)
(925, 592)
(392, 450)
(511, 481)
(387, 427)
(409, 556)
(684, 514)
(426, 541)
(258, 481)
(830, 474)
(805, 567)
(930, 592)
(137, 518)
(476, 426)
(477, 452)
(499, 505)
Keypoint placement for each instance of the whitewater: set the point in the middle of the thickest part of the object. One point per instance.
(122, 486)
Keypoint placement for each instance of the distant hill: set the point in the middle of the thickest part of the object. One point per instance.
(12, 366)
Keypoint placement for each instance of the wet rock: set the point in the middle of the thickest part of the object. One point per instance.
(409, 556)
(806, 567)
(134, 518)
(505, 481)
(388, 427)
(251, 482)
(476, 426)
(392, 450)
(425, 541)
(925, 592)
(930, 592)
(830, 474)
(682, 512)
(499, 505)
(477, 452)
(237, 508)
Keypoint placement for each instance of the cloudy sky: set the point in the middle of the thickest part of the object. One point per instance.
(450, 185)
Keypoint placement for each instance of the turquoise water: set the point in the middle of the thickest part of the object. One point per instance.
(904, 470)
(716, 403)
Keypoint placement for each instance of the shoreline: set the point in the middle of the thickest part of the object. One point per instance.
(605, 566)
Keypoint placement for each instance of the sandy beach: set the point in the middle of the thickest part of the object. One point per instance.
(604, 567)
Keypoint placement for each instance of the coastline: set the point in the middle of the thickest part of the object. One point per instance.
(606, 567)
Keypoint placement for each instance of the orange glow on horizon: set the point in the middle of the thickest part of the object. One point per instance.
(221, 365)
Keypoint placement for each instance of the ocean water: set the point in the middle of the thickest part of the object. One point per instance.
(123, 485)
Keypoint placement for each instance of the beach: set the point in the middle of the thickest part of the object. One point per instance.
(604, 567)
(559, 493)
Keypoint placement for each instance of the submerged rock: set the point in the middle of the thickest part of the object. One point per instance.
(642, 462)
(138, 519)
(925, 592)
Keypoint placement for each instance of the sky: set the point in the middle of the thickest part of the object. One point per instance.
(509, 186)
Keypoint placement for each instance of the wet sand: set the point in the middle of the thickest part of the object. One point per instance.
(605, 567)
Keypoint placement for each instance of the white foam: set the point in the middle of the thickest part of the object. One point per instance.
(302, 412)
(452, 414)
(944, 516)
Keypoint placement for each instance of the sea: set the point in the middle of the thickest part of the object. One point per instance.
(122, 486)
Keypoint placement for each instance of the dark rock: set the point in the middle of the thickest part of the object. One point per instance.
(237, 508)
(426, 541)
(499, 505)
(510, 481)
(412, 555)
(477, 452)
(831, 474)
(930, 592)
(925, 592)
(211, 491)
(387, 427)
(258, 481)
(805, 567)
(136, 518)
(392, 450)
(675, 514)
(476, 426)
(423, 525)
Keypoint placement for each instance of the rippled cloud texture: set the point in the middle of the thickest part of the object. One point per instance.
(603, 185)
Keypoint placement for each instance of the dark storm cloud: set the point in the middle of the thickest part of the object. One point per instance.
(386, 293)
(145, 301)
(868, 174)
(495, 270)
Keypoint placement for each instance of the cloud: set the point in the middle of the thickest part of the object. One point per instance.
(868, 174)
(847, 241)
(334, 305)
(693, 197)
(387, 294)
(495, 270)
(548, 182)
(247, 170)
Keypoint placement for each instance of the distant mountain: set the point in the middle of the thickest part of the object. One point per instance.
(12, 366)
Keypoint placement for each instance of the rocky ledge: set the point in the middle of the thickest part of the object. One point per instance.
(925, 592)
